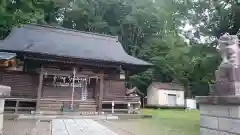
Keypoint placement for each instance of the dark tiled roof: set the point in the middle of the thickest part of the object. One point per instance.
(6, 55)
(67, 43)
(167, 86)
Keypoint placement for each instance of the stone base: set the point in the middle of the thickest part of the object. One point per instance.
(225, 88)
(219, 118)
(227, 81)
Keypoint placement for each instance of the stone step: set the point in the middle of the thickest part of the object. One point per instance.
(52, 108)
(41, 128)
(86, 103)
(86, 109)
(54, 102)
(87, 106)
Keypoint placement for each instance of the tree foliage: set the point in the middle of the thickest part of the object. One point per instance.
(17, 12)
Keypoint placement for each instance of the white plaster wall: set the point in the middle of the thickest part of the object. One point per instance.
(163, 97)
(191, 103)
(152, 96)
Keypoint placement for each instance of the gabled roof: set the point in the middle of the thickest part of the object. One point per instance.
(167, 86)
(6, 55)
(134, 90)
(67, 43)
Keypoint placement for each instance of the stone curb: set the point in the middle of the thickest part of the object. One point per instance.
(41, 117)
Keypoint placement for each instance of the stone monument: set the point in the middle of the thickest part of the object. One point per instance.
(220, 112)
(228, 73)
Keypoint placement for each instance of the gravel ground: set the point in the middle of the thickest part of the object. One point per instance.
(137, 127)
(115, 128)
(26, 127)
(18, 127)
(42, 128)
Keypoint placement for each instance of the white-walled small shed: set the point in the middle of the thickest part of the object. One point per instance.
(165, 94)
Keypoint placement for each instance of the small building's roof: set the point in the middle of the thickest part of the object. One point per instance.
(67, 43)
(134, 90)
(6, 55)
(167, 86)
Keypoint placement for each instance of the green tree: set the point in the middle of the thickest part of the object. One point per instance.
(148, 30)
(17, 12)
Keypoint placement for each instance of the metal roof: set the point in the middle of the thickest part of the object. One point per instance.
(6, 55)
(167, 86)
(67, 43)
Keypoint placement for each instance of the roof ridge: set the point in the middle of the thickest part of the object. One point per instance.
(72, 30)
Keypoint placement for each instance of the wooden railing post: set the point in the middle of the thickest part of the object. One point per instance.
(140, 105)
(17, 105)
(129, 108)
(113, 107)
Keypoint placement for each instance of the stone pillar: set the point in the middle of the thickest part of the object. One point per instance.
(4, 91)
(2, 101)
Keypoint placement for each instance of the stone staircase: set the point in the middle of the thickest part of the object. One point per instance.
(88, 106)
(46, 105)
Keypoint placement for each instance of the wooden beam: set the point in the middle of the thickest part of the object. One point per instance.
(72, 61)
(39, 90)
(73, 87)
(100, 98)
(67, 72)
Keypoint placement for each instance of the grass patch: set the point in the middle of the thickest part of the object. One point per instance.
(179, 122)
(163, 122)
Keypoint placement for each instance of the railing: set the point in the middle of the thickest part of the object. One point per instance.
(63, 102)
(121, 98)
(133, 103)
(16, 108)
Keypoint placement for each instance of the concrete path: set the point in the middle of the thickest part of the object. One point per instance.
(41, 128)
(79, 127)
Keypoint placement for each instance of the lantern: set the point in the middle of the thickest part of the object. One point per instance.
(122, 75)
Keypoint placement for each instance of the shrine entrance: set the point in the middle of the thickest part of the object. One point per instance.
(83, 85)
(68, 86)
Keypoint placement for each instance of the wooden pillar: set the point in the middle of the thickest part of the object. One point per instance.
(39, 90)
(96, 92)
(73, 88)
(100, 97)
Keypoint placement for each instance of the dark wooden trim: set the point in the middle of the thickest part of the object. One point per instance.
(72, 61)
(114, 88)
(68, 72)
(18, 72)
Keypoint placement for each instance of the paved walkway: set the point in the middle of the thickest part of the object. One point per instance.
(12, 127)
(79, 127)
